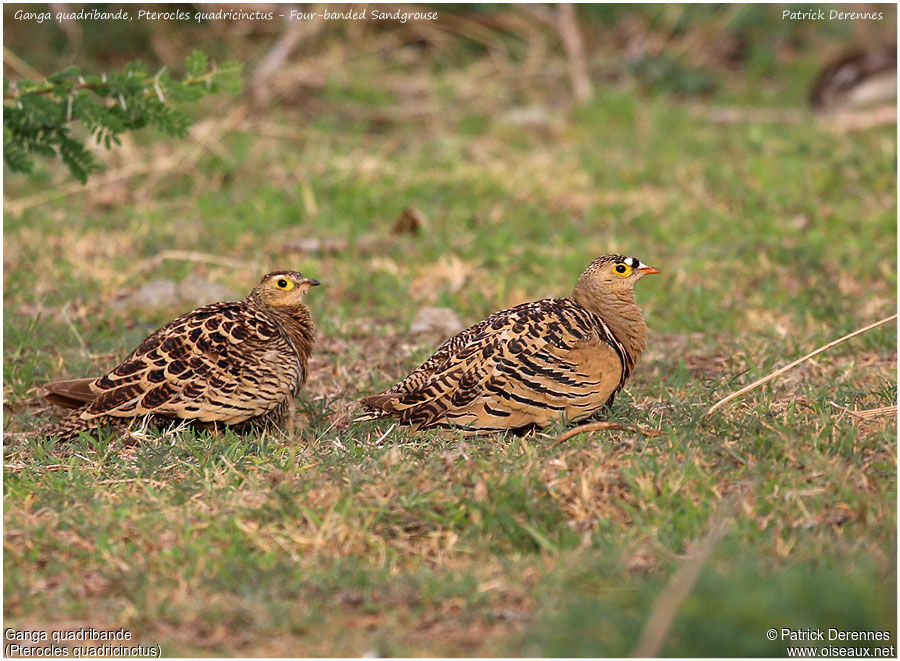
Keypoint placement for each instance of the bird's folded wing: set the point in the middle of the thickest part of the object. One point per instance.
(452, 392)
(451, 347)
(218, 363)
(524, 366)
(521, 366)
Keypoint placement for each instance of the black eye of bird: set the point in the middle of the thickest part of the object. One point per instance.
(620, 268)
(282, 283)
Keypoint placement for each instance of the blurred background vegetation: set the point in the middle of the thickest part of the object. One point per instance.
(471, 162)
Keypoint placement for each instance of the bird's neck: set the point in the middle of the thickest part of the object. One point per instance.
(299, 327)
(620, 312)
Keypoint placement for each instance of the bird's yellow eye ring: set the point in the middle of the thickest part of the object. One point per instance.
(284, 284)
(622, 269)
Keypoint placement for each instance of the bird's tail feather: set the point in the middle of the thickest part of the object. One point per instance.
(73, 424)
(370, 411)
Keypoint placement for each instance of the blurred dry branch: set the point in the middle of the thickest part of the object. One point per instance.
(19, 65)
(571, 39)
(192, 256)
(205, 136)
(860, 120)
(838, 121)
(362, 246)
(294, 33)
(126, 172)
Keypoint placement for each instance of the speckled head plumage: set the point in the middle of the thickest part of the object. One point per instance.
(606, 288)
(282, 289)
(613, 273)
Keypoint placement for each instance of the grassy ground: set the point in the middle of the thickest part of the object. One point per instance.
(773, 238)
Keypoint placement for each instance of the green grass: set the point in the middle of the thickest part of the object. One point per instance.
(772, 238)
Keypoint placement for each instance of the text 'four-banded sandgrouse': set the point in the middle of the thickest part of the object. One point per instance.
(533, 363)
(231, 363)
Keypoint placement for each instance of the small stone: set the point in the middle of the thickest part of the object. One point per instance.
(438, 321)
(195, 292)
(154, 294)
(164, 294)
(529, 116)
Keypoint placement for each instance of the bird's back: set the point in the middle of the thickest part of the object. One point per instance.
(225, 362)
(523, 366)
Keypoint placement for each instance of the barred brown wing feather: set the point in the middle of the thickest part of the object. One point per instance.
(522, 366)
(451, 347)
(222, 363)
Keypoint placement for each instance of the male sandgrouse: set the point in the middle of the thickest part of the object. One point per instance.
(531, 364)
(238, 363)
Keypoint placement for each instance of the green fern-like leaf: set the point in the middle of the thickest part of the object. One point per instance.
(196, 63)
(39, 116)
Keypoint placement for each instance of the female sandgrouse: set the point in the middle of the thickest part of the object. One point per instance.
(237, 363)
(530, 364)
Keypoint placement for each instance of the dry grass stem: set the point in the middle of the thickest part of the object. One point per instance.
(385, 435)
(130, 480)
(19, 467)
(784, 369)
(868, 413)
(676, 591)
(68, 320)
(192, 256)
(294, 33)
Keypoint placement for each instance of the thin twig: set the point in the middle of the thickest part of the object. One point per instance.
(840, 122)
(596, 426)
(784, 369)
(338, 420)
(858, 120)
(729, 115)
(673, 595)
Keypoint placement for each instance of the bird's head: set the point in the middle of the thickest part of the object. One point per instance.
(282, 289)
(613, 274)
